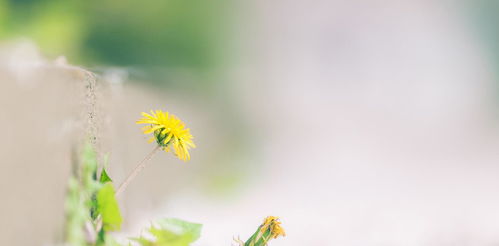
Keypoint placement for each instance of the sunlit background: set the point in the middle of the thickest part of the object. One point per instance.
(356, 122)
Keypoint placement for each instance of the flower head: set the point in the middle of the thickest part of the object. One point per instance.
(268, 230)
(168, 131)
(272, 224)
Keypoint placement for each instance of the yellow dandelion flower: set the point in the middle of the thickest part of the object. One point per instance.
(273, 224)
(168, 131)
(268, 230)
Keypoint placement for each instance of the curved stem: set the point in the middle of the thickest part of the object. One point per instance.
(136, 171)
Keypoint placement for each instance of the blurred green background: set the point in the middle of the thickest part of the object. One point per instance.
(154, 36)
(147, 35)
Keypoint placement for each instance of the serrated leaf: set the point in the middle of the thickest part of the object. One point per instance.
(181, 227)
(110, 241)
(142, 241)
(104, 177)
(171, 232)
(108, 208)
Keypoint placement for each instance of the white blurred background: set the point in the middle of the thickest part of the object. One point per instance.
(355, 122)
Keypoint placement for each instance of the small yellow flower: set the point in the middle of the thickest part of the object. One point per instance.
(268, 230)
(168, 131)
(273, 224)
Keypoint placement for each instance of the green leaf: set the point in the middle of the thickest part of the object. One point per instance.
(108, 208)
(171, 232)
(76, 214)
(89, 167)
(82, 190)
(110, 241)
(104, 177)
(181, 227)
